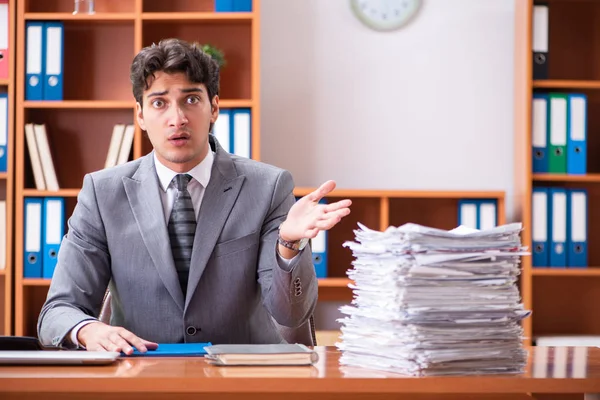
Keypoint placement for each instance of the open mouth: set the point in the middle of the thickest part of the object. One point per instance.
(179, 140)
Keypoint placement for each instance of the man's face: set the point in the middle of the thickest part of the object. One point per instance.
(177, 114)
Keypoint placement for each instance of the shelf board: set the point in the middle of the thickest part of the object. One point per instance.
(589, 271)
(334, 282)
(2, 271)
(81, 17)
(36, 282)
(566, 178)
(48, 193)
(235, 103)
(566, 84)
(4, 82)
(197, 16)
(3, 175)
(88, 104)
(117, 104)
(303, 191)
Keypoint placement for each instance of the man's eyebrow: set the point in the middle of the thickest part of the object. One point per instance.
(192, 90)
(157, 93)
(186, 90)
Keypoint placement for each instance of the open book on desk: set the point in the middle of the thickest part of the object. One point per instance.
(261, 354)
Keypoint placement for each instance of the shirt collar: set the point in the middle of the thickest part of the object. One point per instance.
(201, 172)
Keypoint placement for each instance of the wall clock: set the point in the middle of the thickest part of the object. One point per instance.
(385, 15)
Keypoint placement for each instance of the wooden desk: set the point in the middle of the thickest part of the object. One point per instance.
(178, 378)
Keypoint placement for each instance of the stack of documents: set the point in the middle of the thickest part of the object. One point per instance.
(435, 302)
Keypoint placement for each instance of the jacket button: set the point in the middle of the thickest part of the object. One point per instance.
(191, 330)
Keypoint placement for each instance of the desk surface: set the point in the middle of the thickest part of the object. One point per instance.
(578, 372)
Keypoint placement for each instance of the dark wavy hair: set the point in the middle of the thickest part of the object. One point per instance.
(174, 55)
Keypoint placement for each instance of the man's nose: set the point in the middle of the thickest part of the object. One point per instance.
(177, 117)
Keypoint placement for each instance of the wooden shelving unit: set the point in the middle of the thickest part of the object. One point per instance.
(98, 50)
(563, 301)
(7, 185)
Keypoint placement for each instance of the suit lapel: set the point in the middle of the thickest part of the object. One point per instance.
(142, 191)
(219, 198)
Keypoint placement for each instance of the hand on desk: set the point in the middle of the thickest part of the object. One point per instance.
(307, 217)
(98, 336)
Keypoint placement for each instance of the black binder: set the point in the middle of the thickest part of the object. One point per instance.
(540, 36)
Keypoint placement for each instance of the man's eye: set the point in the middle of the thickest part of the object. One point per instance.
(157, 103)
(193, 100)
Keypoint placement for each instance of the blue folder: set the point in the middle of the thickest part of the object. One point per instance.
(223, 5)
(539, 135)
(577, 228)
(558, 222)
(540, 233)
(242, 5)
(173, 350)
(577, 134)
(35, 49)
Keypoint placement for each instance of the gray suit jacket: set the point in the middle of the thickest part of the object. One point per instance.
(117, 235)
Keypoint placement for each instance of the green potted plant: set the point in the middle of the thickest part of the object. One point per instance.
(216, 54)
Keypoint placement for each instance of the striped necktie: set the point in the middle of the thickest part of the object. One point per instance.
(182, 227)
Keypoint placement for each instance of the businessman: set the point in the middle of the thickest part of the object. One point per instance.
(194, 243)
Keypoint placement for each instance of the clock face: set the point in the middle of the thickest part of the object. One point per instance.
(385, 15)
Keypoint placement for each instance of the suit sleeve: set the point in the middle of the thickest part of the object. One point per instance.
(82, 272)
(290, 294)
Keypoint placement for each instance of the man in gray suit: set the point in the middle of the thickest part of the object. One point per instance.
(195, 244)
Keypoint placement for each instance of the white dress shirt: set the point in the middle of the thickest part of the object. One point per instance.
(196, 186)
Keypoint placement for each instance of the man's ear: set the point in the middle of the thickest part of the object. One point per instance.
(214, 109)
(140, 116)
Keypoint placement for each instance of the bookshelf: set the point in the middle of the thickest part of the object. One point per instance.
(6, 185)
(573, 58)
(98, 50)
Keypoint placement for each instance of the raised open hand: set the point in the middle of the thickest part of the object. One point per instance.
(307, 217)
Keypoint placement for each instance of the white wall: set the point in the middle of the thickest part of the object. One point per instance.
(425, 107)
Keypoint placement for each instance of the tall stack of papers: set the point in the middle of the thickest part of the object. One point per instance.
(435, 302)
